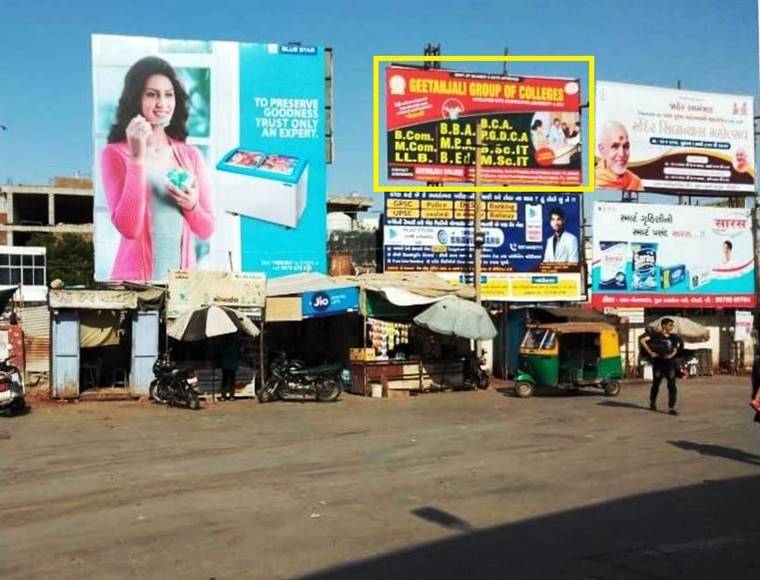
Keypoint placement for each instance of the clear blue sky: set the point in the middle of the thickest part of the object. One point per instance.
(45, 77)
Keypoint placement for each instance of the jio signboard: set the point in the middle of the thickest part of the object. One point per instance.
(329, 302)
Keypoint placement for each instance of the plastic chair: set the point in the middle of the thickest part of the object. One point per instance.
(89, 377)
(119, 378)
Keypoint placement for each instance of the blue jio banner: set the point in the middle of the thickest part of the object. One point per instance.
(329, 302)
(208, 155)
(531, 246)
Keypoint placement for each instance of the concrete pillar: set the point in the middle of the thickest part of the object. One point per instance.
(10, 218)
(51, 209)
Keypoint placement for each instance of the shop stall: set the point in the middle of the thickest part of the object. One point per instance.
(397, 356)
(236, 295)
(103, 339)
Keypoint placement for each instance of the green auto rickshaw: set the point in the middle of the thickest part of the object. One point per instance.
(569, 355)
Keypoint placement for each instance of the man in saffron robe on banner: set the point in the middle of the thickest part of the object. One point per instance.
(614, 150)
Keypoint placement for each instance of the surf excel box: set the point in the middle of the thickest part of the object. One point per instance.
(264, 186)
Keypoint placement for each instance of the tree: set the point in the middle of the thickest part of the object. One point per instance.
(70, 257)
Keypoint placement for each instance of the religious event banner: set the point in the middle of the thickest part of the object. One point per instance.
(672, 256)
(238, 128)
(671, 140)
(531, 127)
(531, 249)
(329, 302)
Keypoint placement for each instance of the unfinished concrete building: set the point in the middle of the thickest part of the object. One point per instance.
(66, 206)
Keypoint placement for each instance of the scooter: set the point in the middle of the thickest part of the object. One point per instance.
(12, 392)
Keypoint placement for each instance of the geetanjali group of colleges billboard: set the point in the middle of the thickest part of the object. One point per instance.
(531, 127)
(648, 139)
(240, 182)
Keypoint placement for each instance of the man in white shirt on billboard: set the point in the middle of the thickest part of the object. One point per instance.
(556, 134)
(562, 246)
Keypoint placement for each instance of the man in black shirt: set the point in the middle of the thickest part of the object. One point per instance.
(663, 347)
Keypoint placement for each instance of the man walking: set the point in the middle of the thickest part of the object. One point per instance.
(663, 347)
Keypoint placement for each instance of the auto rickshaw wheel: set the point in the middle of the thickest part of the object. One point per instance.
(612, 388)
(523, 389)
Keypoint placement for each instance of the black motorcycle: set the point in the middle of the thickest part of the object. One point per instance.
(291, 379)
(173, 386)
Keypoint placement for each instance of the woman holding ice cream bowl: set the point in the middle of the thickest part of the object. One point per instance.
(155, 183)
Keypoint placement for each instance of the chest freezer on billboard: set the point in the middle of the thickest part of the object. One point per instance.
(264, 186)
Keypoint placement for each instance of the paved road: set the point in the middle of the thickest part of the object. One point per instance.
(459, 485)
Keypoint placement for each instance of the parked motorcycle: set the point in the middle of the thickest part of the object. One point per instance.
(291, 379)
(12, 392)
(173, 386)
(475, 373)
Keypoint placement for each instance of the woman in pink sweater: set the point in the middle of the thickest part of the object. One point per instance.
(155, 183)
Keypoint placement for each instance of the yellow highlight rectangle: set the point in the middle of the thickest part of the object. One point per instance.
(589, 148)
(501, 206)
(436, 214)
(501, 216)
(403, 213)
(439, 204)
(404, 203)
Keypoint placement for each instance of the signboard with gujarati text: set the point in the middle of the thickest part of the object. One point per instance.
(672, 256)
(531, 250)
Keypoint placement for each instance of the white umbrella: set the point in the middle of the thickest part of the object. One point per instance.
(686, 328)
(459, 317)
(210, 321)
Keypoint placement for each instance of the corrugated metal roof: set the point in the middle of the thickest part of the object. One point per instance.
(306, 282)
(35, 321)
(37, 355)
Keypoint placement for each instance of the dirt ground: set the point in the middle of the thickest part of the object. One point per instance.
(453, 485)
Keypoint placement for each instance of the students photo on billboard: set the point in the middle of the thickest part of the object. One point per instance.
(561, 246)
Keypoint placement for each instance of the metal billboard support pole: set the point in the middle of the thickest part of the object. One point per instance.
(477, 233)
(756, 239)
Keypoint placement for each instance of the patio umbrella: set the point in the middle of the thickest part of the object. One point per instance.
(459, 317)
(686, 328)
(210, 321)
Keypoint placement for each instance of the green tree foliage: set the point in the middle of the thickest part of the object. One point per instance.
(70, 257)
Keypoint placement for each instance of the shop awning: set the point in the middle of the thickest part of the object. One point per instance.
(6, 296)
(99, 328)
(297, 284)
(423, 284)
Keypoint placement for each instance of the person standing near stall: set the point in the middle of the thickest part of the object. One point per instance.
(230, 363)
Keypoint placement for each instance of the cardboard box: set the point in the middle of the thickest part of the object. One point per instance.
(361, 354)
